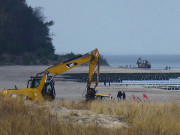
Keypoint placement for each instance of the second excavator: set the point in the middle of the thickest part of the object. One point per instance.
(42, 85)
(143, 63)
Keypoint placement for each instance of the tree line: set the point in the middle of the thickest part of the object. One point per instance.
(23, 32)
(25, 36)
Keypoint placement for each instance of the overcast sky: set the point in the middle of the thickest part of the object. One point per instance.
(114, 26)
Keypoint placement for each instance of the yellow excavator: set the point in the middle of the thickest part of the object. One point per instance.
(42, 85)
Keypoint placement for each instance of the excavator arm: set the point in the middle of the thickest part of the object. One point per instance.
(93, 57)
(94, 67)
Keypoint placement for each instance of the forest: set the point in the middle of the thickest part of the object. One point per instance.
(25, 37)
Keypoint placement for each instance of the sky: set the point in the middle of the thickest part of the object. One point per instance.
(121, 27)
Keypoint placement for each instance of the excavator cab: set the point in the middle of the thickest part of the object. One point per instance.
(48, 91)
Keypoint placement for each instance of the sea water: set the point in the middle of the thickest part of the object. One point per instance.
(156, 61)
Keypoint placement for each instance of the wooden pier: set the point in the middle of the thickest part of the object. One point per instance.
(168, 81)
(119, 77)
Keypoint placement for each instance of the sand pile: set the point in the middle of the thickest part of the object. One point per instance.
(86, 117)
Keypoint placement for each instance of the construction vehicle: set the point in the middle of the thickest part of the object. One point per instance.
(42, 85)
(103, 97)
(143, 63)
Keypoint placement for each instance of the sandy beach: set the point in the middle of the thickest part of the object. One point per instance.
(19, 75)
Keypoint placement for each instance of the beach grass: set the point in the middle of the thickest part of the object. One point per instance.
(143, 118)
(34, 117)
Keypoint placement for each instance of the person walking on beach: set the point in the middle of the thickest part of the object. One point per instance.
(104, 82)
(119, 95)
(109, 81)
(124, 95)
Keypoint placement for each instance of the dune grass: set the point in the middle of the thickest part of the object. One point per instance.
(143, 118)
(19, 117)
(34, 118)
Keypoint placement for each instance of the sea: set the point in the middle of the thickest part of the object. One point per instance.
(156, 61)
